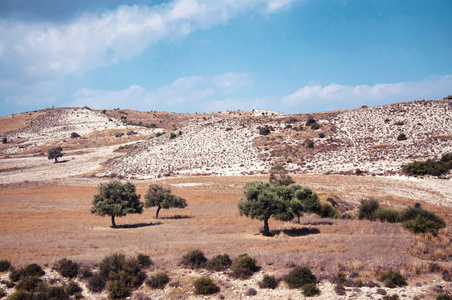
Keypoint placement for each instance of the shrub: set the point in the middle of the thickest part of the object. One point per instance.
(96, 283)
(308, 143)
(443, 297)
(73, 288)
(419, 220)
(219, 263)
(392, 279)
(299, 276)
(85, 272)
(268, 282)
(321, 135)
(310, 290)
(2, 293)
(264, 130)
(28, 271)
(67, 268)
(28, 284)
(74, 135)
(328, 211)
(251, 292)
(4, 140)
(144, 260)
(118, 289)
(315, 126)
(310, 121)
(387, 215)
(278, 168)
(428, 167)
(158, 280)
(445, 158)
(172, 135)
(243, 266)
(401, 137)
(194, 259)
(111, 264)
(367, 209)
(205, 286)
(4, 265)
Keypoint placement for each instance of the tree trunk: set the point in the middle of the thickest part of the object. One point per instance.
(298, 219)
(56, 160)
(266, 228)
(113, 221)
(157, 212)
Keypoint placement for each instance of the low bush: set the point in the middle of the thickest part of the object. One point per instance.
(443, 297)
(387, 215)
(419, 220)
(157, 281)
(4, 265)
(321, 135)
(2, 293)
(96, 283)
(265, 130)
(73, 288)
(28, 271)
(328, 211)
(85, 272)
(268, 282)
(219, 263)
(315, 126)
(401, 137)
(28, 284)
(144, 260)
(118, 289)
(392, 279)
(310, 121)
(250, 292)
(67, 268)
(243, 266)
(428, 167)
(205, 286)
(308, 143)
(310, 290)
(172, 135)
(194, 259)
(299, 276)
(367, 208)
(74, 135)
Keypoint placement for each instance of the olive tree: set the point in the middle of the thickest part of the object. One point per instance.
(116, 199)
(55, 153)
(161, 197)
(282, 202)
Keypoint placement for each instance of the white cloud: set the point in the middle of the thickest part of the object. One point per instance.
(336, 96)
(194, 93)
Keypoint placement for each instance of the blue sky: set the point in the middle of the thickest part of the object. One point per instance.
(212, 55)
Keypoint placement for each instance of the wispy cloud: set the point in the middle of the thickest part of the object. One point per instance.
(336, 96)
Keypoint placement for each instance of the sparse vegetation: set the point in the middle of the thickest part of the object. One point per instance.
(116, 199)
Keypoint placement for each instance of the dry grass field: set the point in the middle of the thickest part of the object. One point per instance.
(44, 211)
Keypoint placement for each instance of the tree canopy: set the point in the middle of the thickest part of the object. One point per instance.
(116, 199)
(55, 153)
(283, 202)
(161, 197)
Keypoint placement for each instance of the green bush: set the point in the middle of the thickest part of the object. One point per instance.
(387, 215)
(111, 264)
(310, 290)
(268, 282)
(144, 260)
(419, 220)
(392, 279)
(85, 272)
(315, 126)
(328, 211)
(401, 137)
(158, 280)
(264, 130)
(73, 288)
(28, 284)
(28, 271)
(96, 283)
(118, 289)
(308, 143)
(367, 208)
(299, 276)
(443, 297)
(4, 265)
(243, 266)
(67, 268)
(194, 259)
(428, 167)
(205, 286)
(172, 135)
(446, 158)
(310, 121)
(219, 263)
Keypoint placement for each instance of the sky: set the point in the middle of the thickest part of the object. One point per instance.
(188, 56)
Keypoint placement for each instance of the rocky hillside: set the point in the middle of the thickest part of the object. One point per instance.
(235, 143)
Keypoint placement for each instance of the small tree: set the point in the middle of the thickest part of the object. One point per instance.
(162, 198)
(55, 153)
(263, 200)
(116, 199)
